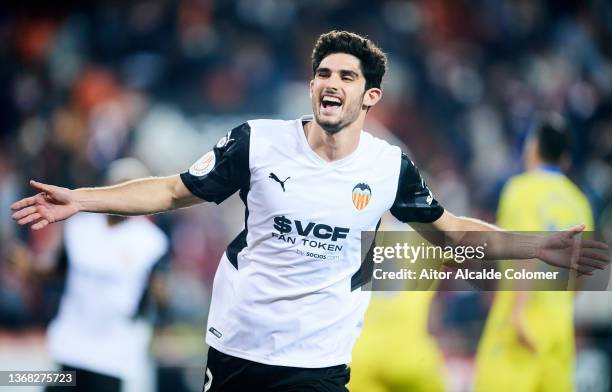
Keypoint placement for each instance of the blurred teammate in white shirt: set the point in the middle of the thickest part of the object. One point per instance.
(98, 331)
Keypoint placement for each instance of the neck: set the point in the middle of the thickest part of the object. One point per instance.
(332, 147)
(533, 164)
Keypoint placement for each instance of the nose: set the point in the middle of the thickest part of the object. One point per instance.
(330, 89)
(332, 82)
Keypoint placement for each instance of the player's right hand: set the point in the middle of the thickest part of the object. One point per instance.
(51, 204)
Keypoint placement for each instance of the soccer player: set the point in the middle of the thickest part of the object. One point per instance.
(286, 306)
(528, 341)
(395, 352)
(398, 320)
(99, 331)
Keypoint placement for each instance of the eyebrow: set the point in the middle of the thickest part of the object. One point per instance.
(349, 73)
(343, 72)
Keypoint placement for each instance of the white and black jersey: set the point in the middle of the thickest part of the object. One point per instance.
(108, 270)
(286, 290)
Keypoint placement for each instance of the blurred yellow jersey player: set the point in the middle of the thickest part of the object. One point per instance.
(528, 341)
(395, 351)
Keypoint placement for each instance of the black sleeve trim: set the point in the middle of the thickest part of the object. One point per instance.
(231, 170)
(363, 275)
(414, 201)
(189, 184)
(240, 242)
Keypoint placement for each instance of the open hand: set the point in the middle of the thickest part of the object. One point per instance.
(565, 249)
(51, 204)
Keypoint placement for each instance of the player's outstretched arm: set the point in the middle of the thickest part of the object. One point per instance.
(561, 249)
(137, 197)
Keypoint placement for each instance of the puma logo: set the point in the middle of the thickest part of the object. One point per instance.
(275, 178)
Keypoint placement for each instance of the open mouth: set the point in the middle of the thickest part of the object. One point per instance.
(330, 104)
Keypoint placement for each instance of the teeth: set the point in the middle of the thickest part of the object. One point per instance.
(331, 99)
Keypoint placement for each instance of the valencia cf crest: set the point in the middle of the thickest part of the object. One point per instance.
(361, 195)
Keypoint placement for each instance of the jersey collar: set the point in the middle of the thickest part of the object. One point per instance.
(549, 167)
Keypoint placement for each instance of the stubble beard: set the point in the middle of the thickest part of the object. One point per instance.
(333, 127)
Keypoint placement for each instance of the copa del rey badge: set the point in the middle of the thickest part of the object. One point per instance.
(203, 165)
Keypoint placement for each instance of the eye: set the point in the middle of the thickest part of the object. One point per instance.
(348, 76)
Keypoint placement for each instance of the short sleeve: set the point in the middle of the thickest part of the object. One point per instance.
(221, 172)
(414, 201)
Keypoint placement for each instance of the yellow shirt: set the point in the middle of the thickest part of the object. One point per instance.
(539, 200)
(543, 200)
(395, 351)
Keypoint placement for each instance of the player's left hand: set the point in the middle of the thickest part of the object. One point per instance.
(566, 249)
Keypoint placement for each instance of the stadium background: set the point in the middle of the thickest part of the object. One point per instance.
(84, 84)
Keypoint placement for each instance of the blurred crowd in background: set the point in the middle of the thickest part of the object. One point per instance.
(85, 83)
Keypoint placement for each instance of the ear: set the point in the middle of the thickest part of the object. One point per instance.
(311, 88)
(372, 96)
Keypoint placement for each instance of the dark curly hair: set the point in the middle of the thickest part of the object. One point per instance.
(373, 59)
(553, 138)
